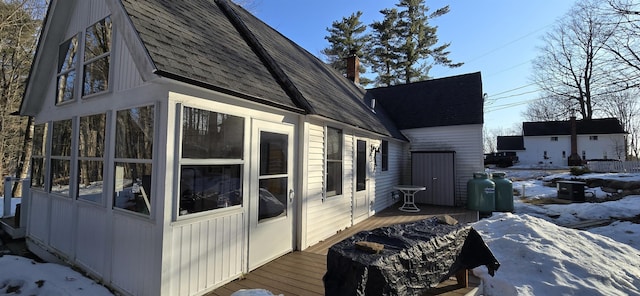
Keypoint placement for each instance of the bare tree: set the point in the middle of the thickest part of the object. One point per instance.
(19, 24)
(548, 108)
(574, 65)
(625, 44)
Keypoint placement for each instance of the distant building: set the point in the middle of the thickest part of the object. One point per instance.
(550, 142)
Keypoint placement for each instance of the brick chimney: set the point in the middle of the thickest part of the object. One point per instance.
(574, 158)
(353, 67)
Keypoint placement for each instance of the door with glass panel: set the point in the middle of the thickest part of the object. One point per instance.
(272, 194)
(361, 197)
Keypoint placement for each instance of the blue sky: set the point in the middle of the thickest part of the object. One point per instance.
(498, 38)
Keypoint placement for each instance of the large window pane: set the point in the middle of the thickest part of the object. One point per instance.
(60, 176)
(97, 39)
(39, 139)
(361, 165)
(273, 198)
(66, 83)
(67, 60)
(334, 162)
(207, 134)
(37, 173)
(134, 148)
(61, 141)
(134, 133)
(208, 187)
(97, 53)
(96, 76)
(273, 153)
(38, 156)
(91, 180)
(133, 187)
(92, 133)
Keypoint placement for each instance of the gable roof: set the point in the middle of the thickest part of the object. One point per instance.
(217, 45)
(583, 127)
(221, 46)
(510, 143)
(455, 100)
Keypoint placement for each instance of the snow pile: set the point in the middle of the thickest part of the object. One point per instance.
(22, 276)
(541, 258)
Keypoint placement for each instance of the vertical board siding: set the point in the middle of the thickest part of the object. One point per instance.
(206, 253)
(38, 212)
(126, 74)
(62, 226)
(465, 140)
(90, 238)
(134, 247)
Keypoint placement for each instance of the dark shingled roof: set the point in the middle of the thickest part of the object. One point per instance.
(223, 47)
(583, 127)
(511, 143)
(455, 100)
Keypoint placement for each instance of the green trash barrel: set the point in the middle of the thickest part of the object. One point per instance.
(481, 193)
(504, 192)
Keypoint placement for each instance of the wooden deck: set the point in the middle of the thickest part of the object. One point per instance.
(301, 272)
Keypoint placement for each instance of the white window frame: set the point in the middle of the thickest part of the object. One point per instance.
(326, 193)
(207, 162)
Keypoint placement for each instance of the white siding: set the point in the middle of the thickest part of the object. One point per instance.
(134, 249)
(386, 180)
(325, 216)
(91, 246)
(206, 253)
(61, 234)
(465, 140)
(38, 227)
(606, 146)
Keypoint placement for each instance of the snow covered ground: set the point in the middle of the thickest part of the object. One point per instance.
(537, 256)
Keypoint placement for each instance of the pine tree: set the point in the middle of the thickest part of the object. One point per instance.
(404, 45)
(418, 50)
(346, 37)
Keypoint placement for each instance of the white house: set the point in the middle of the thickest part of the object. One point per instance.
(181, 144)
(550, 142)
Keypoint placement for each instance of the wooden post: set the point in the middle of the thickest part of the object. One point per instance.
(462, 276)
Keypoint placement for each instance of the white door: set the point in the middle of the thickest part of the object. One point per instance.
(361, 196)
(271, 197)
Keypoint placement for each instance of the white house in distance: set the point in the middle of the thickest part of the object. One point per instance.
(181, 144)
(550, 142)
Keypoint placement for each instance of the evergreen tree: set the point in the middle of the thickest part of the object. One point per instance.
(346, 37)
(382, 54)
(417, 49)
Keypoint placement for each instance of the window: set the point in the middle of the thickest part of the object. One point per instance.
(564, 154)
(385, 155)
(212, 159)
(334, 162)
(554, 139)
(91, 157)
(61, 157)
(593, 138)
(133, 159)
(584, 155)
(67, 57)
(38, 156)
(97, 57)
(545, 156)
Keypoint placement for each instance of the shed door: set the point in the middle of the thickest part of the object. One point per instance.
(436, 171)
(270, 209)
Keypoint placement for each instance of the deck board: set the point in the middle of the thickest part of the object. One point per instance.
(301, 272)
